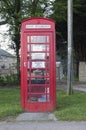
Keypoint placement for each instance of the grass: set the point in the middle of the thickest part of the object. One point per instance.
(71, 107)
(9, 102)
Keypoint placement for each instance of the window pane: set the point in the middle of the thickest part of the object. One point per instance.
(38, 47)
(39, 39)
(28, 39)
(40, 56)
(38, 64)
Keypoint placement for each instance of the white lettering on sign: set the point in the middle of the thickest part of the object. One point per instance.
(37, 26)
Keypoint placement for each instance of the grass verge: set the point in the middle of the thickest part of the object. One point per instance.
(9, 102)
(71, 107)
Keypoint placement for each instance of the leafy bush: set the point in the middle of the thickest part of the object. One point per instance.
(9, 80)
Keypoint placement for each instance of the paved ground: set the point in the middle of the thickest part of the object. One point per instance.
(77, 86)
(45, 121)
(42, 125)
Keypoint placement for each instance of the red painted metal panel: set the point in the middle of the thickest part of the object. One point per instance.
(38, 65)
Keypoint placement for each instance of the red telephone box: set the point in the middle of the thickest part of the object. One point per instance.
(38, 65)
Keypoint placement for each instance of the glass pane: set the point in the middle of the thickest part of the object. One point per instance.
(39, 39)
(38, 56)
(28, 64)
(38, 47)
(28, 47)
(38, 93)
(28, 73)
(32, 98)
(37, 81)
(47, 47)
(28, 56)
(28, 39)
(47, 64)
(36, 89)
(37, 72)
(47, 80)
(37, 98)
(38, 64)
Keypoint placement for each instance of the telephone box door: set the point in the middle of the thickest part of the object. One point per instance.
(39, 71)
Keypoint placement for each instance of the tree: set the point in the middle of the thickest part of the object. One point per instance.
(11, 15)
(14, 11)
(60, 16)
(79, 23)
(79, 32)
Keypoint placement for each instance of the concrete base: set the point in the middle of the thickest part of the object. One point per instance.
(36, 117)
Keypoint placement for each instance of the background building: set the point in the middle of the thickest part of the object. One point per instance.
(7, 63)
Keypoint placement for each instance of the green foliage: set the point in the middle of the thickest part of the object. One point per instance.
(71, 107)
(79, 31)
(12, 12)
(59, 10)
(60, 16)
(80, 7)
(9, 80)
(9, 102)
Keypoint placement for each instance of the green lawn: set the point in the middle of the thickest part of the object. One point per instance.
(71, 107)
(9, 102)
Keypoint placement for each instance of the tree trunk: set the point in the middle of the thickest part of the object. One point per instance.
(18, 63)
